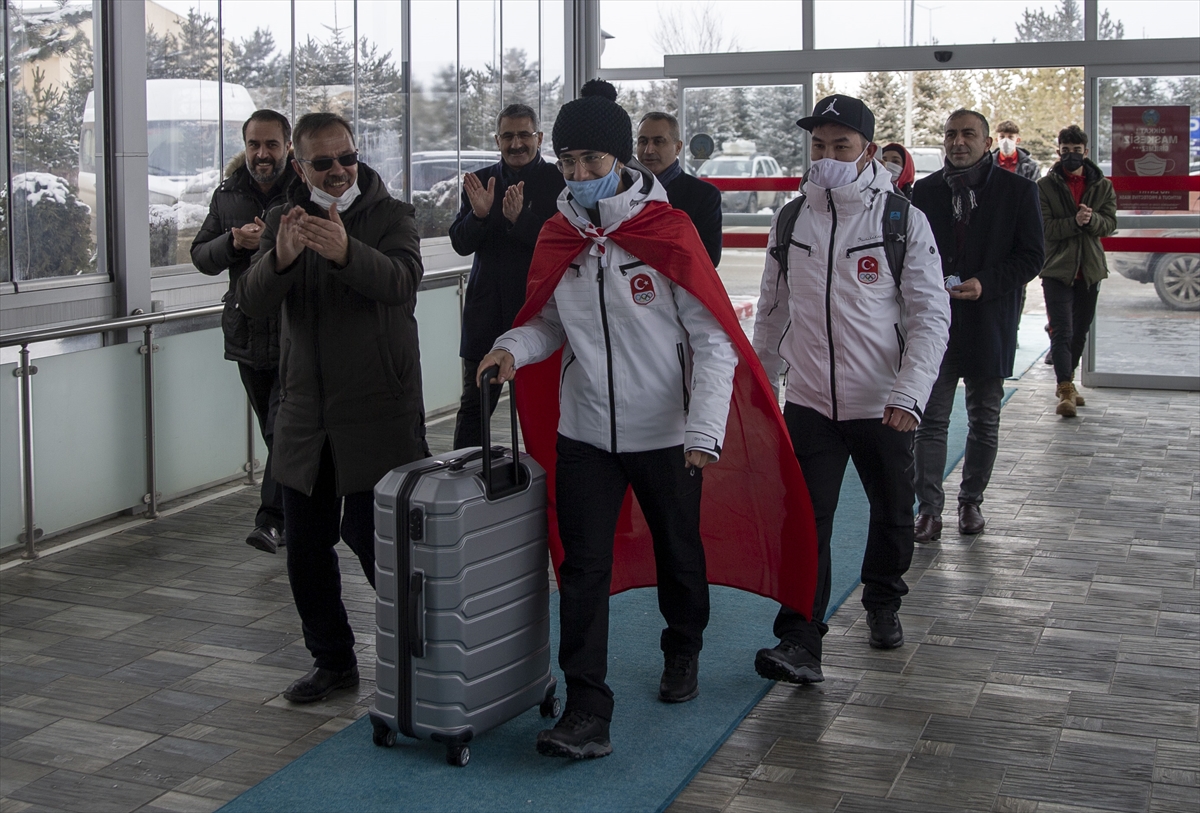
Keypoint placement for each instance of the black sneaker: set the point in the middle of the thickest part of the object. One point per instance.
(578, 735)
(679, 678)
(265, 538)
(886, 632)
(320, 683)
(790, 663)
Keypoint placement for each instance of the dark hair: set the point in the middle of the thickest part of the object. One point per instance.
(517, 111)
(658, 115)
(272, 117)
(1072, 135)
(962, 111)
(312, 123)
(1008, 126)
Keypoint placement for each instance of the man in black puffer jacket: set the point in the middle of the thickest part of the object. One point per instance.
(255, 181)
(503, 209)
(340, 263)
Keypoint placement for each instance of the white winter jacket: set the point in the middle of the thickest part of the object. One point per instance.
(645, 365)
(853, 342)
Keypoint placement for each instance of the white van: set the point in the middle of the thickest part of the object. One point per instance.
(183, 119)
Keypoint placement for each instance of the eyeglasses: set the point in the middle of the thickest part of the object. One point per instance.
(524, 135)
(591, 162)
(322, 164)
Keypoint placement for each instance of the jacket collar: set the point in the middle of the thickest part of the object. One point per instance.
(643, 188)
(1091, 172)
(851, 198)
(508, 173)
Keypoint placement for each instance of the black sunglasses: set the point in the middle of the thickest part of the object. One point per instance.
(322, 164)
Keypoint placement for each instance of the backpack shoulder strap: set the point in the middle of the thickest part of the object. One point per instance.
(785, 225)
(895, 232)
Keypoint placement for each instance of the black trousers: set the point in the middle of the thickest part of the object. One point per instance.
(1070, 310)
(882, 457)
(262, 388)
(468, 423)
(311, 525)
(590, 488)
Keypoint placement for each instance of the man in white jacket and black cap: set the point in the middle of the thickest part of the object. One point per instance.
(862, 345)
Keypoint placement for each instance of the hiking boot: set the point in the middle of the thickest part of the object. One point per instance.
(927, 528)
(1076, 395)
(886, 632)
(679, 678)
(577, 735)
(1066, 399)
(790, 663)
(320, 683)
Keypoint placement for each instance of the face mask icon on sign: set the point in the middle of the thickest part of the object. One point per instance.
(1150, 164)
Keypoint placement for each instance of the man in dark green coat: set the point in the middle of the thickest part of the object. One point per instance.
(341, 263)
(1079, 207)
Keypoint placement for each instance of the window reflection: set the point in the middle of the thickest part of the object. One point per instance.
(48, 217)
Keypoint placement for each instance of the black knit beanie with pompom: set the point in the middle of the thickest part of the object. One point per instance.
(594, 121)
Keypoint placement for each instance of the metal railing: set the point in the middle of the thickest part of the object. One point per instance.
(25, 371)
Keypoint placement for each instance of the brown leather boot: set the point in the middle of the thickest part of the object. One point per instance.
(1066, 401)
(1077, 396)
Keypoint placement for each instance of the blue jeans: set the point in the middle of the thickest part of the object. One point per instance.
(984, 396)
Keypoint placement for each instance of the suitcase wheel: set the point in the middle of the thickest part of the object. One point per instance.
(381, 735)
(458, 755)
(551, 707)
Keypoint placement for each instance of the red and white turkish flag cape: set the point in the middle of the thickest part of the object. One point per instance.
(756, 517)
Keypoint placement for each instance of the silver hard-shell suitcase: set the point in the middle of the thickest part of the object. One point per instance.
(462, 595)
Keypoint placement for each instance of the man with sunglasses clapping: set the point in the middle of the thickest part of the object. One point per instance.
(340, 261)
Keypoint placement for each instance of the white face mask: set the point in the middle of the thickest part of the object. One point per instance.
(896, 171)
(324, 200)
(830, 173)
(1008, 146)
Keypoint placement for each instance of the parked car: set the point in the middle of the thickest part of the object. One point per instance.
(926, 160)
(1176, 277)
(432, 167)
(739, 160)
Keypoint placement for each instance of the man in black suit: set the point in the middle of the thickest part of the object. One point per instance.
(658, 148)
(503, 209)
(988, 226)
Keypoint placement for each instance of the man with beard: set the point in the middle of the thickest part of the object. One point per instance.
(340, 262)
(988, 226)
(255, 181)
(503, 209)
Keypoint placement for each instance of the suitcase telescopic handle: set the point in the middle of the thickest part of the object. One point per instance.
(485, 411)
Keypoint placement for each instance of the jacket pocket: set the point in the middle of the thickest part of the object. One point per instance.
(899, 345)
(235, 328)
(562, 379)
(681, 351)
(864, 247)
(389, 369)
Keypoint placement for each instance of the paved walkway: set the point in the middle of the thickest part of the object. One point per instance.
(1052, 664)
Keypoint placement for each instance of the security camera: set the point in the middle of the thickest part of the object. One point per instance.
(943, 56)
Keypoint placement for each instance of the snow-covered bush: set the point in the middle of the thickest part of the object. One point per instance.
(51, 228)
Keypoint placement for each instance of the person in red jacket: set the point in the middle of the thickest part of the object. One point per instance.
(899, 162)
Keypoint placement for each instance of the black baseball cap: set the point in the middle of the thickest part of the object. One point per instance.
(844, 110)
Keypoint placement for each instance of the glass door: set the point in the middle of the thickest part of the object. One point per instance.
(1147, 327)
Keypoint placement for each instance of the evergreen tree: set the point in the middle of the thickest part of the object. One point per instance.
(882, 92)
(254, 63)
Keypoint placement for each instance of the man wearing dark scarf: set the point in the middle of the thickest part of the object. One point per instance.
(988, 228)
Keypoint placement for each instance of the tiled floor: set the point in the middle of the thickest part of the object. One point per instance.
(1051, 664)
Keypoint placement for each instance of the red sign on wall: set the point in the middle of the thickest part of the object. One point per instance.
(1150, 141)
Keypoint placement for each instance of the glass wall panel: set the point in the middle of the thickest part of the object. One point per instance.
(48, 201)
(434, 94)
(379, 124)
(479, 74)
(325, 57)
(637, 35)
(553, 62)
(1148, 315)
(894, 23)
(187, 138)
(1148, 19)
(520, 80)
